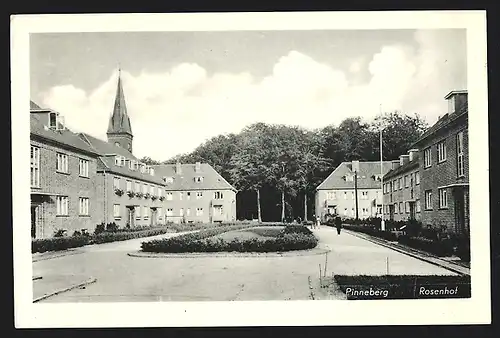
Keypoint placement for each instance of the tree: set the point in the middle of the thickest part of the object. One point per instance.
(149, 161)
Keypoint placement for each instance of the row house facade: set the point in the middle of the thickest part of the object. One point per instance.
(79, 181)
(401, 188)
(197, 193)
(62, 171)
(444, 169)
(336, 195)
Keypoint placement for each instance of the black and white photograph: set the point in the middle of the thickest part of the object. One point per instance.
(185, 168)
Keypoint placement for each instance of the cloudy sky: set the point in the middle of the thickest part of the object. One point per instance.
(182, 88)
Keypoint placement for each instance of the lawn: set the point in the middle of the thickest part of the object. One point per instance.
(246, 234)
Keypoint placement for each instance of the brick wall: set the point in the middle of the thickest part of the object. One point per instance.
(391, 197)
(348, 203)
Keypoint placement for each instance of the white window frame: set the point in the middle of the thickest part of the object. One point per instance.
(160, 192)
(199, 211)
(151, 190)
(117, 211)
(62, 163)
(460, 154)
(170, 196)
(364, 195)
(407, 181)
(83, 206)
(417, 205)
(188, 211)
(181, 212)
(35, 167)
(199, 195)
(443, 198)
(62, 203)
(427, 157)
(146, 212)
(400, 183)
(116, 183)
(345, 195)
(417, 178)
(170, 212)
(407, 207)
(129, 185)
(137, 187)
(441, 151)
(83, 167)
(428, 199)
(137, 212)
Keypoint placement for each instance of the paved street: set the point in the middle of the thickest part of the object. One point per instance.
(124, 278)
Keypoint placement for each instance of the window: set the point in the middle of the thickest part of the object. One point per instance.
(345, 212)
(129, 185)
(364, 195)
(407, 207)
(365, 211)
(352, 211)
(427, 157)
(152, 190)
(181, 195)
(137, 212)
(62, 205)
(352, 194)
(441, 151)
(62, 163)
(199, 195)
(407, 181)
(198, 179)
(35, 167)
(116, 211)
(137, 187)
(117, 144)
(145, 212)
(188, 194)
(417, 205)
(349, 178)
(428, 199)
(460, 154)
(199, 211)
(116, 183)
(345, 195)
(83, 168)
(169, 196)
(400, 183)
(417, 178)
(160, 192)
(170, 212)
(151, 171)
(83, 206)
(411, 180)
(451, 105)
(159, 214)
(218, 195)
(401, 210)
(131, 164)
(144, 188)
(168, 179)
(52, 120)
(396, 208)
(120, 161)
(188, 211)
(181, 212)
(443, 198)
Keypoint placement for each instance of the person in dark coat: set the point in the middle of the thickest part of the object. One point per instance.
(338, 224)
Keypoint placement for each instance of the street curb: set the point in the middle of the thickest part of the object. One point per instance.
(72, 287)
(447, 267)
(56, 255)
(312, 252)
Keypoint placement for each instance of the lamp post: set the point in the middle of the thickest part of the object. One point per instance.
(382, 221)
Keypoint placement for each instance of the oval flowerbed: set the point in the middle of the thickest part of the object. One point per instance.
(230, 239)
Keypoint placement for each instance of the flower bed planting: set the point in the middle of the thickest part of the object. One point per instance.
(287, 239)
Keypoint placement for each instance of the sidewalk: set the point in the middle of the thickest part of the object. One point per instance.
(424, 256)
(50, 285)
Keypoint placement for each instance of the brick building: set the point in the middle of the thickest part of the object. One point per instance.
(197, 193)
(402, 188)
(336, 195)
(62, 170)
(444, 168)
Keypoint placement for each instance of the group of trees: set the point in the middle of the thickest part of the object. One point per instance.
(276, 168)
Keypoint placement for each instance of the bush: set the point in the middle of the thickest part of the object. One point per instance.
(60, 233)
(58, 243)
(111, 227)
(295, 238)
(100, 228)
(433, 246)
(107, 237)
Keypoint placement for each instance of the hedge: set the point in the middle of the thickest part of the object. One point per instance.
(403, 286)
(292, 237)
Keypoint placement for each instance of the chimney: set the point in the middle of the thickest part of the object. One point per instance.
(413, 154)
(403, 159)
(178, 168)
(355, 166)
(198, 167)
(395, 164)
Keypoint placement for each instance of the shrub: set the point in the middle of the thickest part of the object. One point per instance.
(107, 237)
(76, 233)
(297, 229)
(99, 228)
(58, 243)
(111, 227)
(60, 233)
(436, 247)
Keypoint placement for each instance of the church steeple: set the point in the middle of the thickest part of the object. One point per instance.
(119, 128)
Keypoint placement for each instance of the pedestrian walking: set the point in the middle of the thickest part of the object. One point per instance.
(318, 222)
(338, 224)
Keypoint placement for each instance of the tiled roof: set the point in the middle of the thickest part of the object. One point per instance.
(34, 106)
(442, 123)
(107, 152)
(366, 172)
(402, 169)
(212, 180)
(64, 138)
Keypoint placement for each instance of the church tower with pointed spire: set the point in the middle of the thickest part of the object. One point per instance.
(119, 129)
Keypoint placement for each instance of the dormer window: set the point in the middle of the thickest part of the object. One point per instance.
(131, 164)
(451, 104)
(152, 171)
(120, 161)
(198, 179)
(168, 179)
(53, 120)
(143, 167)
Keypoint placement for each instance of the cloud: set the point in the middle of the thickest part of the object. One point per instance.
(173, 112)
